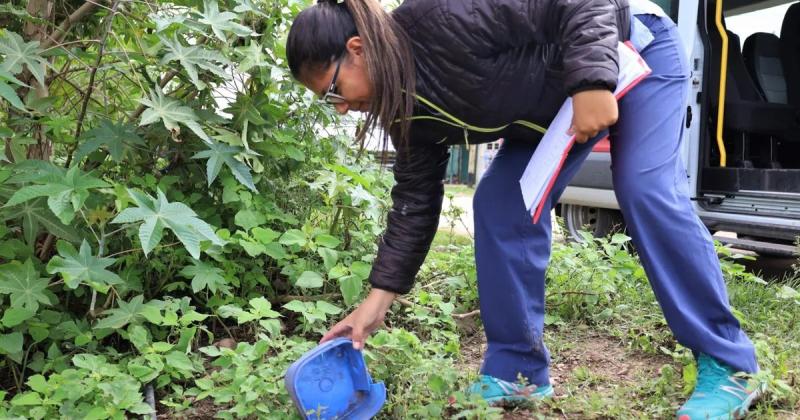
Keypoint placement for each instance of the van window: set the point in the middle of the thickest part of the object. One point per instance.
(670, 7)
(745, 23)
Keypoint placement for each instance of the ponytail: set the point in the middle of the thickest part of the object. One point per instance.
(318, 36)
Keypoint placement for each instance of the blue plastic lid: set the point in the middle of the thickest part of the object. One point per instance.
(331, 382)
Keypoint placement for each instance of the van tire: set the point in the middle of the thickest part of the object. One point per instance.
(597, 221)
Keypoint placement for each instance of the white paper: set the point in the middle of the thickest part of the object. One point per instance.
(546, 160)
(547, 156)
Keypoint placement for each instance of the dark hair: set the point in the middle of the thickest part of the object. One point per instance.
(318, 36)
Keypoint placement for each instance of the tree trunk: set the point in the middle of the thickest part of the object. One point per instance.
(42, 9)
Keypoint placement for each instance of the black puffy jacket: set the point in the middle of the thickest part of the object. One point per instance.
(487, 63)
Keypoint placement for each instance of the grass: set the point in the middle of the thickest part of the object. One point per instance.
(612, 353)
(459, 190)
(445, 238)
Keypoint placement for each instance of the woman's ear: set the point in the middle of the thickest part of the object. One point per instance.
(355, 46)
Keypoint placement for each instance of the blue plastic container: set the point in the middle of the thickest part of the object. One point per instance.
(331, 382)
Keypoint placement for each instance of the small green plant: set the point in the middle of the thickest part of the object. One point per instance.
(454, 214)
(93, 388)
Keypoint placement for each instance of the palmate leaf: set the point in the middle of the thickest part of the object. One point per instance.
(247, 6)
(158, 213)
(192, 57)
(35, 191)
(221, 22)
(7, 76)
(247, 109)
(118, 139)
(170, 112)
(66, 194)
(23, 283)
(35, 216)
(205, 276)
(8, 93)
(17, 53)
(164, 21)
(127, 313)
(34, 170)
(82, 267)
(219, 153)
(252, 56)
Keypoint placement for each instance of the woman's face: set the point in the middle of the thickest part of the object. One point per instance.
(352, 81)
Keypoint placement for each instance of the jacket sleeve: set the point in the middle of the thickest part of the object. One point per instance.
(586, 31)
(413, 218)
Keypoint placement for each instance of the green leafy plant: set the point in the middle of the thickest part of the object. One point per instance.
(158, 213)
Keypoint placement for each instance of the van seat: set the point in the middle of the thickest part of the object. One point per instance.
(790, 53)
(746, 109)
(762, 57)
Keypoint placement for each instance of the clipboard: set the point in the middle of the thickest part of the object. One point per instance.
(548, 158)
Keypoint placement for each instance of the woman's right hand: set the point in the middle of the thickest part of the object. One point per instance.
(593, 111)
(365, 319)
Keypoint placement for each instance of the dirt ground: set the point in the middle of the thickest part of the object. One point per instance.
(608, 359)
(612, 364)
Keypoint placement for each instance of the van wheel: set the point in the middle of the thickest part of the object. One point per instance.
(599, 222)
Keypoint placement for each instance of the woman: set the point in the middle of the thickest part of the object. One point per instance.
(434, 70)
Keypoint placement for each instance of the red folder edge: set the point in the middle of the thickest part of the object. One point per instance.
(619, 95)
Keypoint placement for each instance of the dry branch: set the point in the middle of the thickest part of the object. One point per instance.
(79, 13)
(468, 314)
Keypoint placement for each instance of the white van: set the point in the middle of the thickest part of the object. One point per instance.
(742, 158)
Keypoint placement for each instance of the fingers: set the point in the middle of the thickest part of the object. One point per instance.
(363, 320)
(356, 333)
(594, 111)
(358, 338)
(582, 136)
(339, 330)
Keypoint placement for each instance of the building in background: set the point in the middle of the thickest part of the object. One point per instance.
(485, 155)
(468, 164)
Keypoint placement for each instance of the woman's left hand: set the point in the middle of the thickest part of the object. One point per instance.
(367, 317)
(594, 111)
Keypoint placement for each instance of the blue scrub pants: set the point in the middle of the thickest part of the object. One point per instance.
(675, 248)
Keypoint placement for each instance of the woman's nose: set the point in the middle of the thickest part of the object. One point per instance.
(342, 108)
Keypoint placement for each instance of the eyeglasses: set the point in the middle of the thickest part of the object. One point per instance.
(331, 97)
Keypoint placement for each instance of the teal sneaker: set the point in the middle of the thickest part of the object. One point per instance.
(719, 395)
(498, 392)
